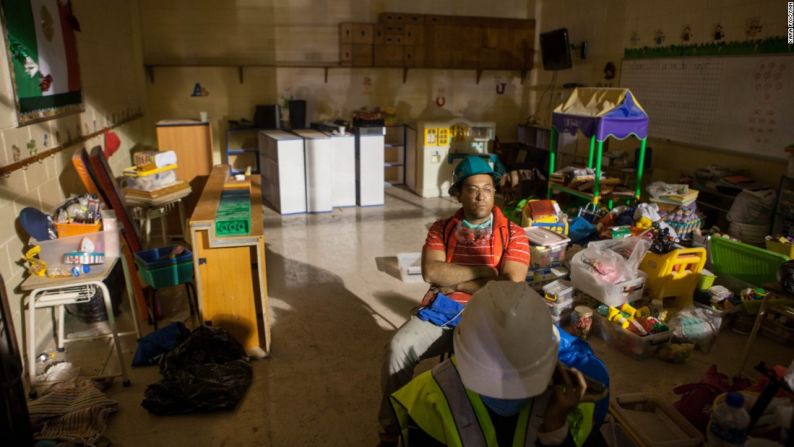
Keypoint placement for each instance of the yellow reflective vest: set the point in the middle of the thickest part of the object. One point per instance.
(443, 408)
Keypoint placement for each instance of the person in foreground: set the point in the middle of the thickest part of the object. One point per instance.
(503, 387)
(461, 254)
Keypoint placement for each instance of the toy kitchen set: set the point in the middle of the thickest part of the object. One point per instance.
(440, 148)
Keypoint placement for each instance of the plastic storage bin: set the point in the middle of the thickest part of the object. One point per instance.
(158, 269)
(410, 265)
(614, 295)
(75, 229)
(628, 342)
(651, 422)
(779, 247)
(779, 324)
(751, 264)
(559, 298)
(52, 250)
(152, 179)
(547, 248)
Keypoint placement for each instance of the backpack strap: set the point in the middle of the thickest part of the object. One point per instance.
(466, 423)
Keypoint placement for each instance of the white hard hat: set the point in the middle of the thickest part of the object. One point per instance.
(505, 343)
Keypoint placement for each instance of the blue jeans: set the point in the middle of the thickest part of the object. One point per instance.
(415, 341)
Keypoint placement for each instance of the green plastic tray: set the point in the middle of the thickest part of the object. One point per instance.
(742, 261)
(233, 217)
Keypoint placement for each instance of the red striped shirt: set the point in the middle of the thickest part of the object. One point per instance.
(479, 252)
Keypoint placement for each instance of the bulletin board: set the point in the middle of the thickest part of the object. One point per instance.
(739, 104)
(42, 55)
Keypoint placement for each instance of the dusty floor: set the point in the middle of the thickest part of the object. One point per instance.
(336, 299)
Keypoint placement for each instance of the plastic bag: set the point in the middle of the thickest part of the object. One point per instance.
(443, 312)
(632, 249)
(752, 207)
(580, 230)
(208, 372)
(699, 326)
(647, 210)
(607, 270)
(152, 347)
(601, 264)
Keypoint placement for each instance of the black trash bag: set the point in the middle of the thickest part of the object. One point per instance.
(208, 372)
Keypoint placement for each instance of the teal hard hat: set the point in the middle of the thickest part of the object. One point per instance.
(471, 165)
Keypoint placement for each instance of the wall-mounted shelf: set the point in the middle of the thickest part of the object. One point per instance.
(325, 66)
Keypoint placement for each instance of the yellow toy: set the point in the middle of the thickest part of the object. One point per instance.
(544, 213)
(674, 274)
(616, 316)
(36, 266)
(644, 223)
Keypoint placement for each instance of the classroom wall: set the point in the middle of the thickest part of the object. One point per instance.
(204, 31)
(608, 28)
(109, 51)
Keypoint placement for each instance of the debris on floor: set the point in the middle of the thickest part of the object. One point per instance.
(74, 411)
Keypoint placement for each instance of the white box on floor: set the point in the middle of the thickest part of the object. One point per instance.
(319, 156)
(410, 267)
(282, 165)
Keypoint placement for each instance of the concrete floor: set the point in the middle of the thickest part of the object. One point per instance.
(336, 297)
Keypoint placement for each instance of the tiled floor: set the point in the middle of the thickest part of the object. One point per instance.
(336, 299)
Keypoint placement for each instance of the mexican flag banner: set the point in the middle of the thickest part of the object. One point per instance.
(43, 57)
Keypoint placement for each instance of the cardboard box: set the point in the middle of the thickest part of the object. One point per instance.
(414, 56)
(345, 33)
(392, 18)
(389, 34)
(414, 34)
(356, 33)
(363, 33)
(355, 55)
(389, 56)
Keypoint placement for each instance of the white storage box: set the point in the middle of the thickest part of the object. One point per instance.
(614, 295)
(410, 267)
(150, 180)
(547, 248)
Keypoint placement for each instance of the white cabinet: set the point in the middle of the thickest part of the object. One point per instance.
(369, 166)
(282, 163)
(344, 169)
(319, 165)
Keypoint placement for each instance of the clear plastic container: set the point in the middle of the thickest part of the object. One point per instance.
(52, 250)
(614, 295)
(559, 297)
(547, 248)
(639, 347)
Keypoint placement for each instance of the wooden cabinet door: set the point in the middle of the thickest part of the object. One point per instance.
(193, 146)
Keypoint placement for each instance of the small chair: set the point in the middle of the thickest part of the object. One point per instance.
(58, 292)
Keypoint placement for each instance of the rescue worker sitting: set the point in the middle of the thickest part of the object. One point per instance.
(498, 389)
(461, 254)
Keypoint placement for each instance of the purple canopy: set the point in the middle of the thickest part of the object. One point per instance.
(603, 112)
